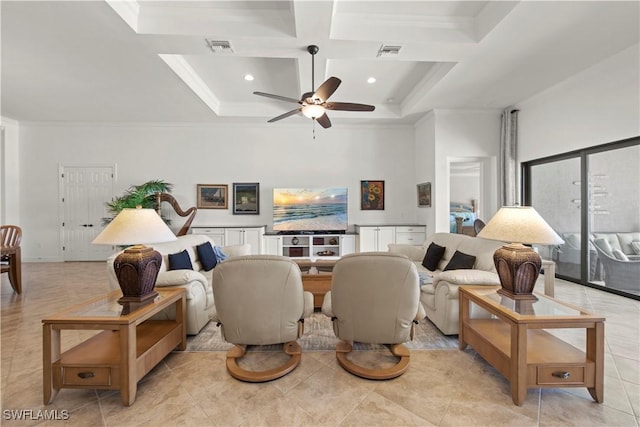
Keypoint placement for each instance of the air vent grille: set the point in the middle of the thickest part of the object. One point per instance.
(386, 50)
(219, 46)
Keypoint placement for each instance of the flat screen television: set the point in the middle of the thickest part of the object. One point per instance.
(310, 209)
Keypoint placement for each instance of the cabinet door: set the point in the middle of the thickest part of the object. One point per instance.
(272, 245)
(253, 236)
(215, 234)
(386, 236)
(234, 236)
(367, 239)
(347, 245)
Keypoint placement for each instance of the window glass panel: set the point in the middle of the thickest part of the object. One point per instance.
(614, 218)
(555, 194)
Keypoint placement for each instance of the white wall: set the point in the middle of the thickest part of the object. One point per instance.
(274, 156)
(9, 172)
(424, 160)
(466, 135)
(599, 105)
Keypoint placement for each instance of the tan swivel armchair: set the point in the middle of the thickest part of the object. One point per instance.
(259, 300)
(375, 298)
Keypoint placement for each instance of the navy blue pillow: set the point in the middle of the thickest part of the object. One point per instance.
(180, 261)
(207, 256)
(433, 256)
(461, 261)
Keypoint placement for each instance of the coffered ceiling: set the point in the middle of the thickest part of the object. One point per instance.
(151, 61)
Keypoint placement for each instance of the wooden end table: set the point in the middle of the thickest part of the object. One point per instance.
(130, 345)
(511, 336)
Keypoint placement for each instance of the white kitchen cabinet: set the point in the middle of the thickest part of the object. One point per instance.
(375, 238)
(226, 236)
(411, 235)
(215, 233)
(272, 245)
(244, 235)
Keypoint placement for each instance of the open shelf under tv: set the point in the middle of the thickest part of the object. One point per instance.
(326, 246)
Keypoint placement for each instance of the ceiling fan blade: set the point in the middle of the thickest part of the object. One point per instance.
(327, 88)
(348, 106)
(278, 97)
(324, 121)
(285, 115)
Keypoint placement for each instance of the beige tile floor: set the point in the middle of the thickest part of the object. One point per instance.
(441, 387)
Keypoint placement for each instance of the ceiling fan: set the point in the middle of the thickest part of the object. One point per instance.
(314, 104)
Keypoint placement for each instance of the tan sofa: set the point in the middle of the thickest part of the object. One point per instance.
(197, 282)
(440, 298)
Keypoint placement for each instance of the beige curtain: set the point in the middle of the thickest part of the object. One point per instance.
(509, 181)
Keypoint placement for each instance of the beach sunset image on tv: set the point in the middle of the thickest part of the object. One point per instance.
(306, 209)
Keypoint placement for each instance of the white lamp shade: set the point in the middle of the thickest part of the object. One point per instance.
(520, 224)
(135, 226)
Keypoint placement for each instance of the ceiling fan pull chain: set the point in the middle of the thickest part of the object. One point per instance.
(314, 129)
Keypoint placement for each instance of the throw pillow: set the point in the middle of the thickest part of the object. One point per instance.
(433, 256)
(636, 247)
(619, 255)
(220, 256)
(604, 245)
(461, 261)
(207, 256)
(180, 261)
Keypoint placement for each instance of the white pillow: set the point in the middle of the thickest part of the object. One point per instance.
(619, 255)
(636, 247)
(604, 245)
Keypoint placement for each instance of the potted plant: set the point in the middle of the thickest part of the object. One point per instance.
(143, 195)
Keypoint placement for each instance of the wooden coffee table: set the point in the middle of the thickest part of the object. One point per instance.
(130, 345)
(318, 285)
(511, 336)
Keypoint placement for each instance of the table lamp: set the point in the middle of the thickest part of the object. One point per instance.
(518, 266)
(137, 266)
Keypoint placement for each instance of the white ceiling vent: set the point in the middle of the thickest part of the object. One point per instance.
(386, 50)
(219, 46)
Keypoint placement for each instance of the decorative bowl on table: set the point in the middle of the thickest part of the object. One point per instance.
(325, 253)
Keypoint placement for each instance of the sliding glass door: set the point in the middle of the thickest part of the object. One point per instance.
(591, 198)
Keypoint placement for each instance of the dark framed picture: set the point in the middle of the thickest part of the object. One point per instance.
(424, 195)
(372, 195)
(213, 196)
(246, 198)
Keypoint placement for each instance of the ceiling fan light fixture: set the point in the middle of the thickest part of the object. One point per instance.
(248, 77)
(312, 111)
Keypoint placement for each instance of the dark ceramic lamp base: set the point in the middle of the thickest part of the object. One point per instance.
(518, 267)
(137, 270)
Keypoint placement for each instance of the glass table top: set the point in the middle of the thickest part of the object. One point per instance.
(541, 306)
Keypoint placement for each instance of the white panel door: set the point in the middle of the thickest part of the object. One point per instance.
(85, 190)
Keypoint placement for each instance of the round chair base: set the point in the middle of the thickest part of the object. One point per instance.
(343, 348)
(291, 348)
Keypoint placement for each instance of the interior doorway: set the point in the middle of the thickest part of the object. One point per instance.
(470, 189)
(84, 192)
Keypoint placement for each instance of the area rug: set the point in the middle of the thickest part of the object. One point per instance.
(318, 335)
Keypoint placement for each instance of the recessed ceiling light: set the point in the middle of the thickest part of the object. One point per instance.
(371, 80)
(248, 77)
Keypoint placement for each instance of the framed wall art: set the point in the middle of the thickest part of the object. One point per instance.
(424, 195)
(372, 195)
(213, 196)
(246, 198)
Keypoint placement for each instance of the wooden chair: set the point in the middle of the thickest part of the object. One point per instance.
(10, 252)
(478, 225)
(191, 212)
